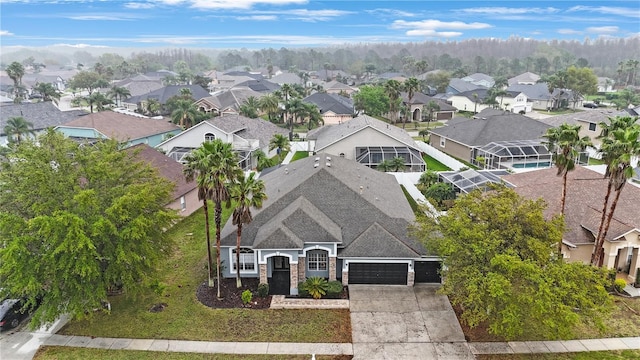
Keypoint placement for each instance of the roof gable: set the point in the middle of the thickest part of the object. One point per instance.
(376, 241)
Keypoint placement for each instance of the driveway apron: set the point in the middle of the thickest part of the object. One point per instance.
(402, 322)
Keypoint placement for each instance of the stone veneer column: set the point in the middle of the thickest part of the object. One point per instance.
(345, 278)
(293, 271)
(302, 276)
(262, 269)
(411, 278)
(332, 268)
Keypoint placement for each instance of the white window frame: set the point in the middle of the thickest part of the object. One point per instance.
(595, 126)
(183, 203)
(443, 142)
(247, 257)
(316, 259)
(207, 136)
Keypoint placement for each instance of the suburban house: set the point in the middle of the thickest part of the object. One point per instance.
(227, 102)
(185, 194)
(494, 140)
(140, 84)
(526, 78)
(221, 81)
(474, 100)
(538, 94)
(605, 85)
(126, 129)
(418, 103)
(329, 217)
(262, 86)
(583, 210)
(480, 79)
(368, 141)
(42, 115)
(246, 136)
(336, 87)
(162, 95)
(287, 78)
(588, 120)
(334, 108)
(457, 86)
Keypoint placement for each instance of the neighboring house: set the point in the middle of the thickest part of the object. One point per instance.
(261, 86)
(480, 79)
(334, 108)
(185, 194)
(588, 120)
(287, 78)
(42, 115)
(221, 81)
(162, 95)
(527, 78)
(605, 85)
(31, 80)
(505, 141)
(368, 141)
(474, 100)
(537, 94)
(457, 86)
(329, 217)
(126, 129)
(419, 112)
(583, 210)
(140, 85)
(329, 75)
(246, 136)
(336, 87)
(227, 102)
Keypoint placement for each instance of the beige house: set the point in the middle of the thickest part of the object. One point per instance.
(585, 197)
(474, 100)
(589, 121)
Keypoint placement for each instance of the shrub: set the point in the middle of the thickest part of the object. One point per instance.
(619, 285)
(263, 290)
(334, 289)
(316, 286)
(302, 292)
(247, 295)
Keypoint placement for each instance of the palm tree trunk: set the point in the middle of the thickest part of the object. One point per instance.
(238, 239)
(612, 209)
(563, 199)
(218, 217)
(206, 226)
(595, 255)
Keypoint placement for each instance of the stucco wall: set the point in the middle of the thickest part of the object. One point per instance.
(191, 203)
(365, 137)
(450, 147)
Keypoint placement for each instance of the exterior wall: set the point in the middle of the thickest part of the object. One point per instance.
(331, 118)
(540, 104)
(515, 105)
(463, 103)
(365, 137)
(226, 254)
(631, 241)
(192, 138)
(452, 148)
(153, 140)
(192, 203)
(581, 253)
(592, 134)
(443, 115)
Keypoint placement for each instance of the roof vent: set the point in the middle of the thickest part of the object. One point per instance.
(317, 158)
(361, 189)
(315, 165)
(328, 158)
(286, 171)
(328, 164)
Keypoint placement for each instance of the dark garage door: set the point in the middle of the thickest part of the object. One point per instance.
(371, 273)
(427, 271)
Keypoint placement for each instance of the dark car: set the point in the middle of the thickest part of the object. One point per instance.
(591, 105)
(11, 313)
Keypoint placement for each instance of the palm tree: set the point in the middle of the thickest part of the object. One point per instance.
(411, 86)
(262, 160)
(246, 192)
(186, 93)
(270, 105)
(153, 106)
(185, 113)
(18, 127)
(619, 145)
(392, 90)
(280, 142)
(98, 100)
(397, 163)
(565, 144)
(431, 107)
(118, 93)
(48, 92)
(475, 103)
(15, 71)
(385, 165)
(197, 168)
(250, 107)
(313, 116)
(295, 108)
(424, 133)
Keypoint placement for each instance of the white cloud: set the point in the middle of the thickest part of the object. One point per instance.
(603, 29)
(258, 18)
(229, 4)
(305, 14)
(510, 11)
(569, 32)
(81, 46)
(433, 28)
(103, 17)
(5, 33)
(391, 12)
(139, 5)
(609, 10)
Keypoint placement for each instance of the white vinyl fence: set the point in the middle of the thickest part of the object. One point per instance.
(440, 156)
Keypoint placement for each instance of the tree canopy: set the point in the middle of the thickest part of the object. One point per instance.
(501, 270)
(77, 222)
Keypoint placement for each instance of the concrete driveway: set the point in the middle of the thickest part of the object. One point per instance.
(401, 322)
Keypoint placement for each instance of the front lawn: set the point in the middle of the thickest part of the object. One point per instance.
(185, 318)
(70, 353)
(299, 155)
(433, 164)
(593, 355)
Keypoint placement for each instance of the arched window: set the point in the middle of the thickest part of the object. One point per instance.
(247, 260)
(209, 137)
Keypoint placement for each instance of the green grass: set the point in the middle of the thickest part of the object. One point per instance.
(71, 353)
(433, 164)
(593, 161)
(185, 318)
(299, 155)
(412, 202)
(277, 159)
(593, 355)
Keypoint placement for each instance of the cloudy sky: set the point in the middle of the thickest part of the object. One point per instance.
(291, 23)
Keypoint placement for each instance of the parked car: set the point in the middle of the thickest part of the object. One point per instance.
(591, 105)
(11, 313)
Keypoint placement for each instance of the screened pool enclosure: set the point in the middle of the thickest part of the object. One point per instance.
(373, 155)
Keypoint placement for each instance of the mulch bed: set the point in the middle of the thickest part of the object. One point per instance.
(231, 295)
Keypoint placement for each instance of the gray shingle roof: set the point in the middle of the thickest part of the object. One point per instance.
(42, 114)
(248, 128)
(345, 200)
(167, 92)
(505, 127)
(232, 98)
(261, 86)
(539, 91)
(594, 116)
(461, 86)
(329, 134)
(331, 102)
